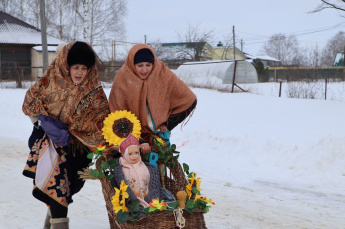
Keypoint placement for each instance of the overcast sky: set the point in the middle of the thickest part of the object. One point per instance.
(255, 21)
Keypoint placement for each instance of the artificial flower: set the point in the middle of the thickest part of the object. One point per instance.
(100, 147)
(117, 204)
(118, 125)
(160, 140)
(206, 200)
(155, 204)
(193, 182)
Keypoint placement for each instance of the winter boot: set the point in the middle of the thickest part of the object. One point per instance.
(59, 223)
(47, 220)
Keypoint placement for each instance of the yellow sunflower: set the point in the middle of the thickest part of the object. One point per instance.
(117, 203)
(194, 181)
(118, 125)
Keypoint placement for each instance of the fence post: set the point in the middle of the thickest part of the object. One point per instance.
(280, 88)
(326, 89)
(233, 77)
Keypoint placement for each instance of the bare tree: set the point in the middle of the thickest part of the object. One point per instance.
(330, 4)
(334, 45)
(195, 39)
(284, 48)
(312, 57)
(107, 20)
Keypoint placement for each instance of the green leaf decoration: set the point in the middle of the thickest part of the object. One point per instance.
(151, 210)
(147, 157)
(122, 216)
(91, 164)
(190, 204)
(190, 175)
(110, 177)
(176, 157)
(196, 191)
(167, 158)
(207, 208)
(200, 204)
(135, 205)
(186, 168)
(94, 173)
(173, 147)
(90, 155)
(174, 205)
(104, 165)
(101, 175)
(112, 163)
(146, 210)
(189, 211)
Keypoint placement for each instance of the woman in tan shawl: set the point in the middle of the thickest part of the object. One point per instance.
(67, 106)
(150, 90)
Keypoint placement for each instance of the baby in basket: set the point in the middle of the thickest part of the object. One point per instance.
(142, 177)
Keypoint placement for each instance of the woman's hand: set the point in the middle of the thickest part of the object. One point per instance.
(145, 148)
(163, 128)
(108, 151)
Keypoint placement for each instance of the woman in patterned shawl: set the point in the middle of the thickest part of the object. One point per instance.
(148, 88)
(67, 106)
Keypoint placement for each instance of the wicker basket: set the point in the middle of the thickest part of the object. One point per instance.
(173, 180)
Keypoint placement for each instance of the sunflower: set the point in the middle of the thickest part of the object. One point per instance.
(194, 181)
(119, 199)
(118, 125)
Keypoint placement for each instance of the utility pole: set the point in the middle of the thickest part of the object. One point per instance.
(113, 46)
(145, 39)
(233, 40)
(44, 36)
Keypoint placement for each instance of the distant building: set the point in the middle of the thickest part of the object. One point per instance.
(266, 60)
(21, 49)
(221, 52)
(339, 60)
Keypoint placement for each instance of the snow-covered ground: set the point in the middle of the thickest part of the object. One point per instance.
(266, 162)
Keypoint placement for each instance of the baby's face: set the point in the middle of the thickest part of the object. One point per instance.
(133, 154)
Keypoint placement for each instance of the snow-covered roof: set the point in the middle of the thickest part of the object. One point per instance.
(268, 58)
(15, 31)
(339, 59)
(50, 48)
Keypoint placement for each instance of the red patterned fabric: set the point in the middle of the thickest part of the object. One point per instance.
(129, 141)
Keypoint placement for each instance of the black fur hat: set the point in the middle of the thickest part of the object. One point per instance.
(80, 53)
(143, 55)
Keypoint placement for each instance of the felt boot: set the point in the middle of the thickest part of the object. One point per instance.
(47, 220)
(59, 223)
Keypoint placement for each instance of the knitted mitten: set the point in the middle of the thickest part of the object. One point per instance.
(59, 223)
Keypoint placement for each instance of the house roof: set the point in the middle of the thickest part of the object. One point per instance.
(268, 58)
(186, 44)
(15, 31)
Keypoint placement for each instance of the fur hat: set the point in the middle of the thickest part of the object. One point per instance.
(143, 55)
(129, 141)
(81, 53)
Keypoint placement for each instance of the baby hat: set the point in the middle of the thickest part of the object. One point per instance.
(129, 141)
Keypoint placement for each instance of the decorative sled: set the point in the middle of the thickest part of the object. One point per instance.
(188, 209)
(174, 181)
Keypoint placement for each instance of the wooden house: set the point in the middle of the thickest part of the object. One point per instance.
(20, 49)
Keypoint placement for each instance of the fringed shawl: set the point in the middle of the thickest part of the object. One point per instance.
(82, 107)
(163, 91)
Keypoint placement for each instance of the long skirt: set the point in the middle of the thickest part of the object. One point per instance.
(54, 168)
